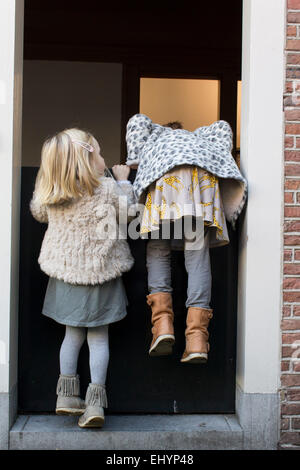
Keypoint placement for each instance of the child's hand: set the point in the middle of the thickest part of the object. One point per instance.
(121, 172)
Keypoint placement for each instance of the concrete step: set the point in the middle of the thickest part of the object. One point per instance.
(128, 432)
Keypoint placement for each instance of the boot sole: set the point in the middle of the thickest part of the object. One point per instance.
(195, 358)
(163, 346)
(69, 411)
(92, 422)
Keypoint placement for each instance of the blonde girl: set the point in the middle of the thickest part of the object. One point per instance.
(84, 259)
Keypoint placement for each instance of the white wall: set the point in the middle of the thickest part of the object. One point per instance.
(61, 94)
(262, 137)
(238, 118)
(11, 62)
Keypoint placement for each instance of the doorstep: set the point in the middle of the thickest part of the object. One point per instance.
(128, 432)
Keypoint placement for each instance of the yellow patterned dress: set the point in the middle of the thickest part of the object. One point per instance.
(186, 191)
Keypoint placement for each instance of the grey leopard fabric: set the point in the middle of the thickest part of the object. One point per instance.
(157, 149)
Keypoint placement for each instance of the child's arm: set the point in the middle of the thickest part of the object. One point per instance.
(125, 188)
(138, 131)
(121, 173)
(121, 190)
(38, 210)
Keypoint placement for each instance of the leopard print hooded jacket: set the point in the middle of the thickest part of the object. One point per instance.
(157, 149)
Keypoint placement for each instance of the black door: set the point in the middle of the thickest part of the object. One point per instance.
(150, 39)
(136, 382)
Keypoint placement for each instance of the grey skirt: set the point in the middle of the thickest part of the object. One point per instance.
(85, 306)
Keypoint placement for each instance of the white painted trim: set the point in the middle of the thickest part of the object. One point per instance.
(262, 143)
(11, 72)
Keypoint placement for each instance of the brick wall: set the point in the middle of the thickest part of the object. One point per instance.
(290, 363)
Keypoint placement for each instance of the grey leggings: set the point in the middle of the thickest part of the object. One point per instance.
(97, 339)
(197, 265)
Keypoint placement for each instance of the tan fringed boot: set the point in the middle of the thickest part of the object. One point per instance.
(95, 400)
(162, 321)
(68, 399)
(196, 335)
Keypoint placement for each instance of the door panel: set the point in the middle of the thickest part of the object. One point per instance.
(136, 382)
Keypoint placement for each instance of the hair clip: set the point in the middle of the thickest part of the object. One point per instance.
(85, 145)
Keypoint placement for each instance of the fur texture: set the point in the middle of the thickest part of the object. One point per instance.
(81, 244)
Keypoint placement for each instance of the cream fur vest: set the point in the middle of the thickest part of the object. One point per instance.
(82, 243)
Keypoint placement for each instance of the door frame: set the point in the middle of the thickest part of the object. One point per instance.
(259, 304)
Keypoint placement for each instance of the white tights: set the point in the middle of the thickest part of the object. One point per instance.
(97, 339)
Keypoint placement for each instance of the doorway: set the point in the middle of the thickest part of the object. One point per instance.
(171, 387)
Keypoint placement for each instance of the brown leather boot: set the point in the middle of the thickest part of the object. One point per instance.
(162, 321)
(196, 335)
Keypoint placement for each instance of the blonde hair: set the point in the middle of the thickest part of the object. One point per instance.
(67, 169)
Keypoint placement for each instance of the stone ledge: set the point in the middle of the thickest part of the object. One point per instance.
(128, 432)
